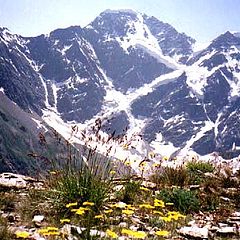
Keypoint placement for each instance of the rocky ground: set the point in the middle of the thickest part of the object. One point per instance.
(221, 222)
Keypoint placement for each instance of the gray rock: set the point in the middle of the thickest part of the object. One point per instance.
(194, 232)
(17, 181)
(227, 231)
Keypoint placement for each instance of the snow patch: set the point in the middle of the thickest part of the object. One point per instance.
(165, 149)
(207, 127)
(65, 49)
(199, 46)
(120, 11)
(140, 36)
(2, 90)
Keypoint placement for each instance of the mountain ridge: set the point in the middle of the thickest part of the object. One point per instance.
(136, 73)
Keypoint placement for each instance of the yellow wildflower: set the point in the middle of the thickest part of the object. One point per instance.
(158, 203)
(135, 234)
(128, 212)
(169, 204)
(151, 154)
(175, 215)
(158, 212)
(143, 164)
(146, 206)
(71, 204)
(84, 209)
(52, 233)
(74, 209)
(65, 220)
(80, 212)
(144, 189)
(111, 234)
(166, 219)
(127, 163)
(88, 204)
(125, 146)
(100, 216)
(52, 229)
(23, 234)
(108, 211)
(112, 172)
(162, 233)
(49, 231)
(43, 230)
(130, 207)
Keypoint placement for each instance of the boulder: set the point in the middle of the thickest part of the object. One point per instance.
(194, 232)
(17, 181)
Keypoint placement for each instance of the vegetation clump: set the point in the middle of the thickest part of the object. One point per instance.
(90, 197)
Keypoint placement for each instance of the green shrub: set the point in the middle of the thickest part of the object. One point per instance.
(130, 192)
(210, 195)
(85, 181)
(184, 201)
(196, 170)
(227, 180)
(203, 167)
(5, 234)
(169, 176)
(7, 201)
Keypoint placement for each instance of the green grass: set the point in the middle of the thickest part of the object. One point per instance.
(168, 176)
(184, 201)
(5, 233)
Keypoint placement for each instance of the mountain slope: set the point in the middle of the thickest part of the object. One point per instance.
(20, 81)
(135, 73)
(127, 50)
(20, 139)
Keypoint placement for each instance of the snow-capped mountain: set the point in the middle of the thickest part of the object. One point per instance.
(136, 73)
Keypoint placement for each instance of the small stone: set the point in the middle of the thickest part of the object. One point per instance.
(234, 218)
(236, 214)
(123, 225)
(94, 232)
(234, 223)
(191, 223)
(38, 218)
(226, 231)
(194, 187)
(122, 238)
(118, 188)
(222, 225)
(148, 184)
(194, 232)
(225, 199)
(134, 228)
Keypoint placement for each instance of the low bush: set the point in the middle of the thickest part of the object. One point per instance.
(200, 166)
(130, 192)
(168, 176)
(196, 170)
(184, 201)
(89, 181)
(5, 234)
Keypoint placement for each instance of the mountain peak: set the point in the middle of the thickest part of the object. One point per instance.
(121, 11)
(3, 29)
(225, 40)
(66, 33)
